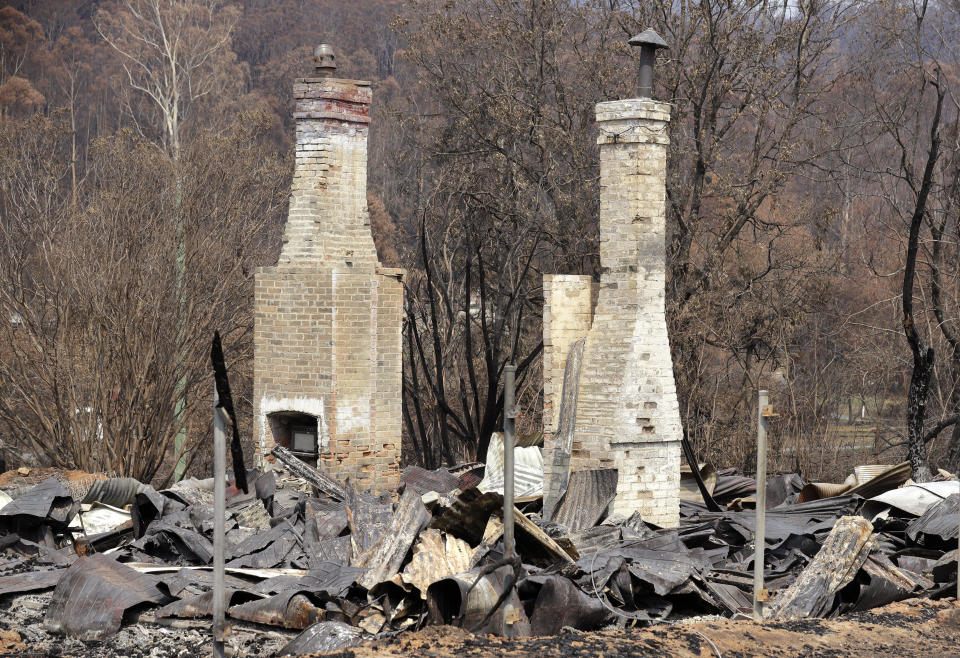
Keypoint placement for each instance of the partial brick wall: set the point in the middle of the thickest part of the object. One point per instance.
(568, 304)
(627, 414)
(328, 319)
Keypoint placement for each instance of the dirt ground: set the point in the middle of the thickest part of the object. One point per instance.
(918, 627)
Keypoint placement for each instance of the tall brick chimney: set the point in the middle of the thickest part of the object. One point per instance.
(327, 337)
(627, 414)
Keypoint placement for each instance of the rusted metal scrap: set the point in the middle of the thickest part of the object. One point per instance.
(48, 503)
(421, 480)
(199, 605)
(385, 558)
(171, 541)
(327, 577)
(328, 485)
(323, 519)
(880, 582)
(937, 527)
(814, 592)
(467, 519)
(93, 594)
(291, 609)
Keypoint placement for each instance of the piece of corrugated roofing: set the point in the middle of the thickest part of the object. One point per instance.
(938, 525)
(93, 594)
(436, 556)
(588, 495)
(385, 557)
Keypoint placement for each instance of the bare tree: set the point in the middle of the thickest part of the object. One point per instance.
(172, 52)
(90, 328)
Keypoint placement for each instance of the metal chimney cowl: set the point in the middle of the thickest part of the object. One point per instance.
(650, 42)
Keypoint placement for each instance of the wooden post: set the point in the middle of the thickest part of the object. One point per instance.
(759, 537)
(219, 509)
(509, 413)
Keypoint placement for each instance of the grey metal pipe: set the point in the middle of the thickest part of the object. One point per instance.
(509, 414)
(219, 507)
(759, 537)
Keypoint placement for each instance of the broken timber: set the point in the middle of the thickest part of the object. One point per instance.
(328, 485)
(834, 566)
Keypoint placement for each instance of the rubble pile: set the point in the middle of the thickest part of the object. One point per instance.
(333, 567)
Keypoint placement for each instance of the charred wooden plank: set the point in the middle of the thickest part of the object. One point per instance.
(814, 592)
(328, 485)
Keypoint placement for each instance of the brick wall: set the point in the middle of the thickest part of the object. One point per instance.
(627, 413)
(568, 304)
(327, 319)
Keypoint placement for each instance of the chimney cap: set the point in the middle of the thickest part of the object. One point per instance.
(648, 38)
(324, 61)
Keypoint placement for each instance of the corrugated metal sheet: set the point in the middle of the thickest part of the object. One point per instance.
(367, 518)
(30, 581)
(527, 467)
(47, 502)
(885, 480)
(118, 492)
(940, 522)
(436, 556)
(563, 437)
(386, 556)
(821, 490)
(421, 480)
(588, 495)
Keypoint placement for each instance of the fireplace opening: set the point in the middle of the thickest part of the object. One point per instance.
(297, 432)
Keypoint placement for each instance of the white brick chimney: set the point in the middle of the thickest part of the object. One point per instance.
(627, 413)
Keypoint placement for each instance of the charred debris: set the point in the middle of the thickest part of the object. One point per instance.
(305, 552)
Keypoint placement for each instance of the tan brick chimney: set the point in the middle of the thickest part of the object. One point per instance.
(327, 338)
(627, 414)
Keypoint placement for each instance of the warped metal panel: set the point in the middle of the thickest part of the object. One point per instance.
(367, 518)
(323, 637)
(588, 495)
(386, 556)
(436, 556)
(93, 594)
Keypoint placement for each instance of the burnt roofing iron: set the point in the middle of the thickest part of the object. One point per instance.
(93, 594)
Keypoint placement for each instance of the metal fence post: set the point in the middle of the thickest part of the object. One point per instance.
(509, 413)
(759, 537)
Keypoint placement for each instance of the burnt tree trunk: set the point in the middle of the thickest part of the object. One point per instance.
(922, 354)
(917, 411)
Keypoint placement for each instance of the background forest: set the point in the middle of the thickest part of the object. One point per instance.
(813, 205)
